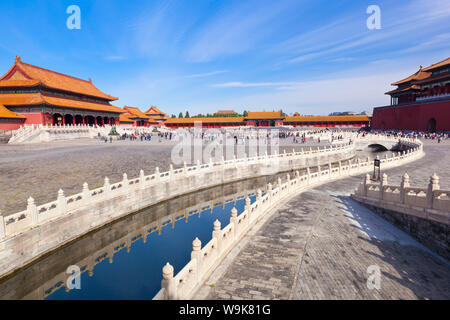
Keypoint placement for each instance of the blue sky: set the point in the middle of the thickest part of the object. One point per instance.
(312, 57)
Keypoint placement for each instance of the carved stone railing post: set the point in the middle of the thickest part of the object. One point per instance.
(62, 203)
(196, 254)
(168, 283)
(171, 171)
(384, 182)
(288, 181)
(217, 234)
(432, 186)
(125, 185)
(234, 220)
(107, 187)
(269, 193)
(247, 204)
(366, 184)
(2, 226)
(404, 184)
(32, 209)
(157, 174)
(340, 167)
(142, 183)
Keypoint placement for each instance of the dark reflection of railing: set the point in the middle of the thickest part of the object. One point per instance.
(45, 276)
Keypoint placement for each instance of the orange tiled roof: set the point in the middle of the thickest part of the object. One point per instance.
(205, 120)
(125, 117)
(154, 110)
(413, 87)
(5, 113)
(419, 75)
(265, 115)
(437, 65)
(327, 118)
(57, 80)
(18, 99)
(135, 112)
(18, 83)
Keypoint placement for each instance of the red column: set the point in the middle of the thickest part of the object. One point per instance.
(73, 119)
(95, 120)
(63, 120)
(103, 121)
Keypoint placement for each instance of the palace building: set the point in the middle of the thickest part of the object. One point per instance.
(34, 95)
(420, 101)
(156, 115)
(271, 119)
(136, 118)
(356, 121)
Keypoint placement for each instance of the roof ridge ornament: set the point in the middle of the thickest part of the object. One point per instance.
(17, 59)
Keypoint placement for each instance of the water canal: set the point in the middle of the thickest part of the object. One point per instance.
(116, 261)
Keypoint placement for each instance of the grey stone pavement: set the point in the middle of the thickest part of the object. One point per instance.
(319, 244)
(40, 170)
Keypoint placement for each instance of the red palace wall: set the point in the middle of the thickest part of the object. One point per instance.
(33, 118)
(6, 124)
(412, 117)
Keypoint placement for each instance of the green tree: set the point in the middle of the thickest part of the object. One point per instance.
(187, 114)
(180, 115)
(245, 114)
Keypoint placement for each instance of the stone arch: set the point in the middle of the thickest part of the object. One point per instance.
(377, 147)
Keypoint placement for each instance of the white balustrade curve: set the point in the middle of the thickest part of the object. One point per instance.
(204, 260)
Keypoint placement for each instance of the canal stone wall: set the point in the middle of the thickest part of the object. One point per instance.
(424, 213)
(205, 260)
(41, 279)
(27, 235)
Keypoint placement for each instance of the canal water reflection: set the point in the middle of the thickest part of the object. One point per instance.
(124, 260)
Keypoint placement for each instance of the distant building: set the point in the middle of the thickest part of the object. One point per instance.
(226, 112)
(155, 114)
(272, 119)
(136, 118)
(420, 101)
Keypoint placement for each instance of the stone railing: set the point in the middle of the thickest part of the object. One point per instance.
(204, 260)
(424, 213)
(105, 243)
(429, 203)
(40, 228)
(47, 133)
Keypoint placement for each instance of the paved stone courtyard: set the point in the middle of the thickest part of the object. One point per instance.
(40, 170)
(320, 243)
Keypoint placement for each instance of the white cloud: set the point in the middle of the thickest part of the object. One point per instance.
(238, 84)
(208, 74)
